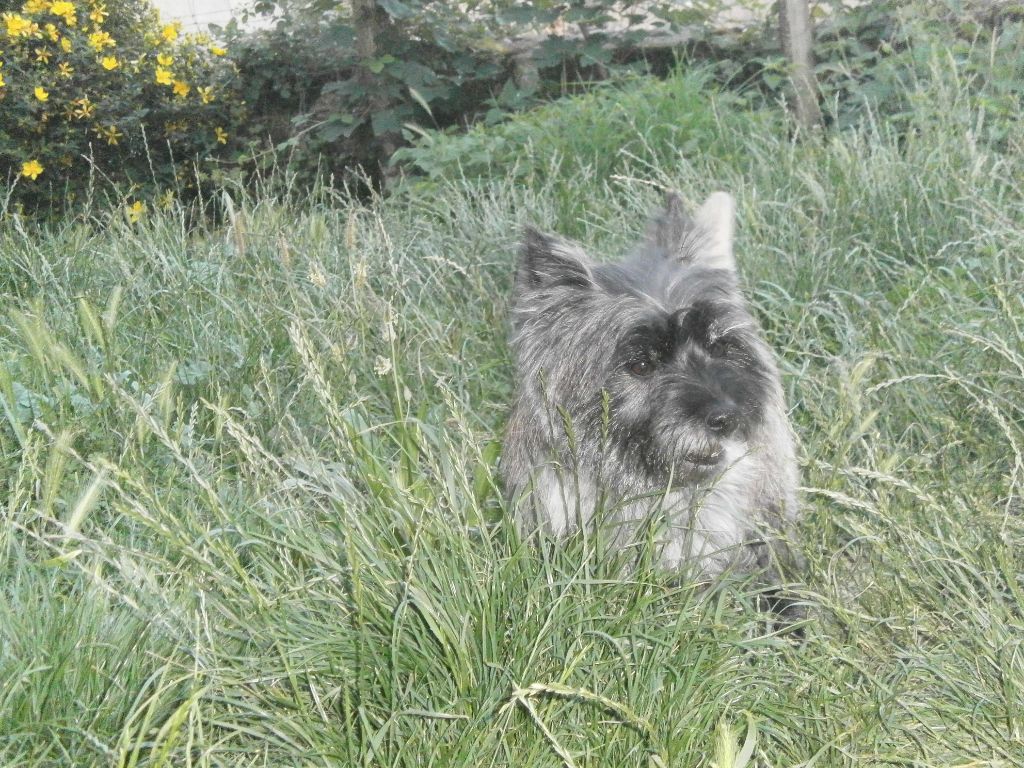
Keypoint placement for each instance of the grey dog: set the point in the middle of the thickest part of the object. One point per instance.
(648, 401)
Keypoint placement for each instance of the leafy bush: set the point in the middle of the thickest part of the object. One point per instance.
(95, 90)
(351, 93)
(879, 61)
(434, 69)
(881, 56)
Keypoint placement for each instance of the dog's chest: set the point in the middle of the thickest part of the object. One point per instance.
(706, 525)
(713, 525)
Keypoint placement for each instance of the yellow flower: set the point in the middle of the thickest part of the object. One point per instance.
(83, 108)
(98, 13)
(164, 60)
(65, 70)
(17, 26)
(170, 32)
(35, 6)
(181, 89)
(110, 62)
(2, 83)
(164, 76)
(65, 44)
(31, 169)
(100, 40)
(52, 33)
(43, 55)
(221, 134)
(216, 50)
(136, 211)
(41, 93)
(206, 94)
(110, 133)
(66, 11)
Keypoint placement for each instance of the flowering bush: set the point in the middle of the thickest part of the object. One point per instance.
(92, 89)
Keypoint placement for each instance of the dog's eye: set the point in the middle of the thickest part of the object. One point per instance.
(641, 367)
(726, 347)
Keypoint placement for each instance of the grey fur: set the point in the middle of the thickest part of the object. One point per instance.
(646, 394)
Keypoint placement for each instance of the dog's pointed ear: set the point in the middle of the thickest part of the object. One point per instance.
(669, 230)
(546, 261)
(705, 238)
(716, 223)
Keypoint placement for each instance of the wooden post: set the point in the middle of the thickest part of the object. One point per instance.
(797, 41)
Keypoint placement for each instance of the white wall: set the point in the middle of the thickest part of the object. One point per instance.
(196, 15)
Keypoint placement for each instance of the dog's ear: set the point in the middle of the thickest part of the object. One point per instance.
(716, 223)
(547, 262)
(705, 238)
(670, 228)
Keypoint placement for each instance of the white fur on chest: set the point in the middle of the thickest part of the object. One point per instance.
(706, 525)
(711, 525)
(564, 501)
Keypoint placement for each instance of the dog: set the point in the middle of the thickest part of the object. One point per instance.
(648, 401)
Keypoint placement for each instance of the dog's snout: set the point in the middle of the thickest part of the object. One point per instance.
(722, 420)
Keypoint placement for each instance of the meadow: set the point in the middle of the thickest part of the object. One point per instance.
(251, 514)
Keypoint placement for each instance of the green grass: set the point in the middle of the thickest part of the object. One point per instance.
(250, 510)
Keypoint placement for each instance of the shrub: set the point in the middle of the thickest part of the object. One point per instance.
(355, 76)
(883, 56)
(95, 90)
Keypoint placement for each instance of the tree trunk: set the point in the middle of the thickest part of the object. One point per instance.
(373, 24)
(797, 39)
(370, 23)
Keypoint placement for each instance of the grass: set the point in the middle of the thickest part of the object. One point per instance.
(251, 515)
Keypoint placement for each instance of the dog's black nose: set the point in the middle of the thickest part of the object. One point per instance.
(722, 420)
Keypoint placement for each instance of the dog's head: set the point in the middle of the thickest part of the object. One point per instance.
(655, 360)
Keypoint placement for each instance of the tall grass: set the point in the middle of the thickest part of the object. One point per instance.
(251, 514)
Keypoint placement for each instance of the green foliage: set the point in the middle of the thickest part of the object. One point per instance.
(93, 90)
(873, 59)
(874, 62)
(606, 132)
(431, 64)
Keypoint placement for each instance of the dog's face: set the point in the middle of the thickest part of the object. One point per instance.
(686, 388)
(655, 360)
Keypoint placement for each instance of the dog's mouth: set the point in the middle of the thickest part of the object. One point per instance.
(691, 456)
(703, 459)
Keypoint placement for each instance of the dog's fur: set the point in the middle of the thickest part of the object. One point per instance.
(647, 395)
